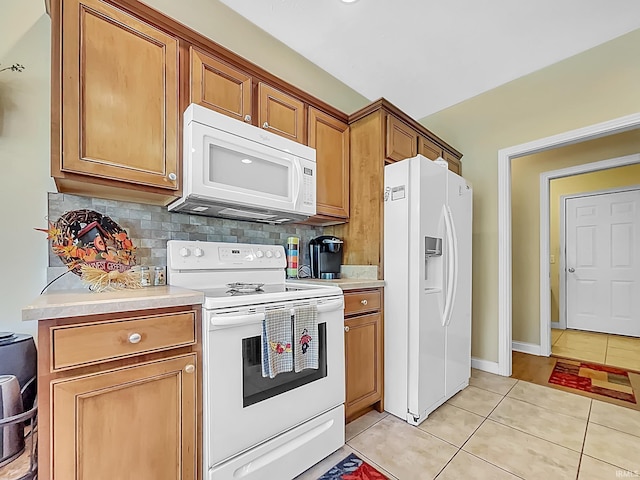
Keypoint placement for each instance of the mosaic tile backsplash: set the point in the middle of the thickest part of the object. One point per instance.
(150, 226)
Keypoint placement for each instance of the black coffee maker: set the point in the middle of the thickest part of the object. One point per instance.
(326, 257)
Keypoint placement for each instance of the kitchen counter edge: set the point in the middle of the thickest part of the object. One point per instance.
(344, 283)
(77, 303)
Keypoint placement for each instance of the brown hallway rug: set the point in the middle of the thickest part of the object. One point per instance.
(590, 377)
(540, 370)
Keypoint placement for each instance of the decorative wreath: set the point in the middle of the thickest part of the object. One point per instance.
(95, 248)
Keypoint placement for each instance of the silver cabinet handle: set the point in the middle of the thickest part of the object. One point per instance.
(265, 125)
(189, 368)
(571, 269)
(364, 302)
(247, 118)
(172, 177)
(135, 338)
(346, 328)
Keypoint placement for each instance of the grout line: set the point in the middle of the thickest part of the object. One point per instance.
(491, 463)
(362, 431)
(584, 439)
(368, 460)
(549, 409)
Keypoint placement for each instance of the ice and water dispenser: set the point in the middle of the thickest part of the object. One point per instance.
(432, 268)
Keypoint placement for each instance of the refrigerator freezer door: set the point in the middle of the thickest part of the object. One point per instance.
(458, 332)
(426, 290)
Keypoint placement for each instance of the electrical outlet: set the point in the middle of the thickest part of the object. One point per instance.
(553, 259)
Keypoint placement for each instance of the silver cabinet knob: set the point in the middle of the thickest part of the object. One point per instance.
(247, 118)
(265, 125)
(173, 177)
(135, 338)
(190, 368)
(571, 269)
(364, 302)
(346, 328)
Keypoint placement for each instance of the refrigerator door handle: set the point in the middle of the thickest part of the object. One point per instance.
(452, 265)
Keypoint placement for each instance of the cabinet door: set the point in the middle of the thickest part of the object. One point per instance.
(330, 138)
(454, 163)
(132, 423)
(363, 361)
(429, 149)
(280, 113)
(120, 115)
(220, 87)
(401, 139)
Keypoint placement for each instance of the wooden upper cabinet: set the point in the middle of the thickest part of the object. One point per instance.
(219, 86)
(429, 149)
(454, 162)
(119, 97)
(330, 138)
(401, 140)
(281, 113)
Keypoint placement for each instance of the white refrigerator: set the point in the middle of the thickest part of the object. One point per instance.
(427, 293)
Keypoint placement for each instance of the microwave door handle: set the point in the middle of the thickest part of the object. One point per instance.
(297, 178)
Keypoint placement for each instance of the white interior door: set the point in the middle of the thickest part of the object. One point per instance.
(602, 245)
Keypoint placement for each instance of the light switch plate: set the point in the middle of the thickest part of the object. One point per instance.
(552, 259)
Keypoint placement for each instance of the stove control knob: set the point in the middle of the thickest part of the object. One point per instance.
(185, 252)
(269, 254)
(259, 254)
(278, 254)
(198, 252)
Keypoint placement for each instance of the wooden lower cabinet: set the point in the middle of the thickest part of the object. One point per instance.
(137, 422)
(131, 411)
(363, 352)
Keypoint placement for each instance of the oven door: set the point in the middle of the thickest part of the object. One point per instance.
(242, 408)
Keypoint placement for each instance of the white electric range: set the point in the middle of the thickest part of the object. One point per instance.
(256, 427)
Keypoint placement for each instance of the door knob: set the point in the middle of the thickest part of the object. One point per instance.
(571, 269)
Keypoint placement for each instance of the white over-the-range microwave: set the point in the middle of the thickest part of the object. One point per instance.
(236, 170)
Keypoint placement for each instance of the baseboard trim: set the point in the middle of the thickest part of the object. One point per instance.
(525, 347)
(556, 325)
(485, 365)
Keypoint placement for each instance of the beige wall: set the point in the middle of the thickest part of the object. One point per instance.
(25, 123)
(592, 87)
(24, 155)
(525, 217)
(586, 182)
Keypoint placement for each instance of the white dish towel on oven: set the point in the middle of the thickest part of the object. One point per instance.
(277, 354)
(305, 337)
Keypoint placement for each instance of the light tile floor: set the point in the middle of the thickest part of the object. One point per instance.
(500, 428)
(614, 350)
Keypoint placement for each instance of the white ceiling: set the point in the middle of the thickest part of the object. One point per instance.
(426, 55)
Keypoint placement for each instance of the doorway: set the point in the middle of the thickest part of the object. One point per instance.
(505, 156)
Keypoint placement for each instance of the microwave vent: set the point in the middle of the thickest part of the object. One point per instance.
(234, 212)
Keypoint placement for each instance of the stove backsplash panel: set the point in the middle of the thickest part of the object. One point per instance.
(150, 226)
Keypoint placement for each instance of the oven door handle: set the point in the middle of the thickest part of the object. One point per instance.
(330, 306)
(225, 321)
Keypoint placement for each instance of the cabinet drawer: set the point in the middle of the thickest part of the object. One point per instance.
(363, 301)
(84, 344)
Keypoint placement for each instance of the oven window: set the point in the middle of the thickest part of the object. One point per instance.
(256, 388)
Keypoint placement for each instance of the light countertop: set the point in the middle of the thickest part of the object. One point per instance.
(75, 303)
(343, 283)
